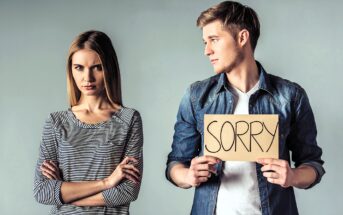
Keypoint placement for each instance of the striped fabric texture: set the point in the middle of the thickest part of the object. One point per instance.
(87, 152)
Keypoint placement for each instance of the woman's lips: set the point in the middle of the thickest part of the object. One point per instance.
(88, 87)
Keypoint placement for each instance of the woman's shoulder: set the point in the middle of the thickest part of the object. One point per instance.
(58, 117)
(127, 115)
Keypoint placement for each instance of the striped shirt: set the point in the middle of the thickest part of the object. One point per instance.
(87, 152)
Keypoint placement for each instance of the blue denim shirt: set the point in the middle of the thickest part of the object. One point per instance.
(297, 134)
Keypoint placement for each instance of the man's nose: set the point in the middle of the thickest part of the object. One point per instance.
(208, 50)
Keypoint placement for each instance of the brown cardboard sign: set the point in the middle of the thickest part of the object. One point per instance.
(241, 137)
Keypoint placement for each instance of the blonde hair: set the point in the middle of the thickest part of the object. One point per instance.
(100, 43)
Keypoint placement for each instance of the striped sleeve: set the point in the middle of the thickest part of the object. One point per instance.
(47, 191)
(127, 191)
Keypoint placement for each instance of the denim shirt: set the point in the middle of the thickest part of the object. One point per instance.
(297, 135)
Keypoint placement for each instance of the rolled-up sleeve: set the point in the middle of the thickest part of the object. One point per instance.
(127, 191)
(302, 139)
(47, 191)
(186, 139)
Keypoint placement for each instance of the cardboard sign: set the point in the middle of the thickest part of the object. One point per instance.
(241, 137)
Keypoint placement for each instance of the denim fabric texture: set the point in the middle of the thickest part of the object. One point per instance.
(297, 135)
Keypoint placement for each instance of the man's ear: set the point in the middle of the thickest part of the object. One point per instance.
(243, 37)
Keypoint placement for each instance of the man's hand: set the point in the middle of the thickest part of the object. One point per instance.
(278, 171)
(200, 170)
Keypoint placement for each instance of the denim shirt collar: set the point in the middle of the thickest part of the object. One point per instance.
(265, 85)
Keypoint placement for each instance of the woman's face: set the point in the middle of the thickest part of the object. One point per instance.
(87, 72)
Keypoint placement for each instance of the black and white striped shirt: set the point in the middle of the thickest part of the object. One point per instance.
(87, 152)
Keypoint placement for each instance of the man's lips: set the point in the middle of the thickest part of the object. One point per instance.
(213, 61)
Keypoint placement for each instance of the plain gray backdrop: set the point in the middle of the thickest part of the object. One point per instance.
(160, 53)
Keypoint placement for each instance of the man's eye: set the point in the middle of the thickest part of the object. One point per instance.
(214, 40)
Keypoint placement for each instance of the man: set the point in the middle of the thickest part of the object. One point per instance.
(242, 86)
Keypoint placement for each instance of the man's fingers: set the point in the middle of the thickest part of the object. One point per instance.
(272, 175)
(266, 161)
(271, 167)
(202, 179)
(201, 167)
(205, 167)
(200, 174)
(273, 180)
(205, 159)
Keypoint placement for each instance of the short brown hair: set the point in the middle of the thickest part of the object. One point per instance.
(234, 17)
(100, 43)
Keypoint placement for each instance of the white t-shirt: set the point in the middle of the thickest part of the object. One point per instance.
(238, 192)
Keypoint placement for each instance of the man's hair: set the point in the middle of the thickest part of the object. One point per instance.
(234, 17)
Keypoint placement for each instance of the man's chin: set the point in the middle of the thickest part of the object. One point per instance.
(218, 71)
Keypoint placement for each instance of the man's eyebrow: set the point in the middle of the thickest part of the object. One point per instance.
(212, 36)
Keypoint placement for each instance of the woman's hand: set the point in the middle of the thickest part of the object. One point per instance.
(126, 169)
(50, 170)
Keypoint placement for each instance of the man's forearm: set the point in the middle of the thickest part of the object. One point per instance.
(178, 175)
(304, 176)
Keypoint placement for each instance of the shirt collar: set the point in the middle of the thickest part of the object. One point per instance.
(223, 83)
(264, 79)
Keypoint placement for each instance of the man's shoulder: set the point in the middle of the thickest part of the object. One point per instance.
(282, 84)
(284, 87)
(206, 85)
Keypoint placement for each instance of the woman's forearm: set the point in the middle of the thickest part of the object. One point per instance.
(73, 191)
(94, 200)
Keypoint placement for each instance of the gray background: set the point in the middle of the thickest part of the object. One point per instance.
(160, 53)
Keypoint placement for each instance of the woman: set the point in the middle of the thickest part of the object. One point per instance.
(91, 157)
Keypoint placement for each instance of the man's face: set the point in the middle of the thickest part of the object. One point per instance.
(221, 47)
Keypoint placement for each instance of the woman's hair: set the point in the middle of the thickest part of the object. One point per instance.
(100, 43)
(234, 17)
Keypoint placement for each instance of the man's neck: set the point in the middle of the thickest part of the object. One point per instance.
(244, 76)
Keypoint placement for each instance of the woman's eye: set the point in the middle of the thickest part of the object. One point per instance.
(78, 68)
(98, 68)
